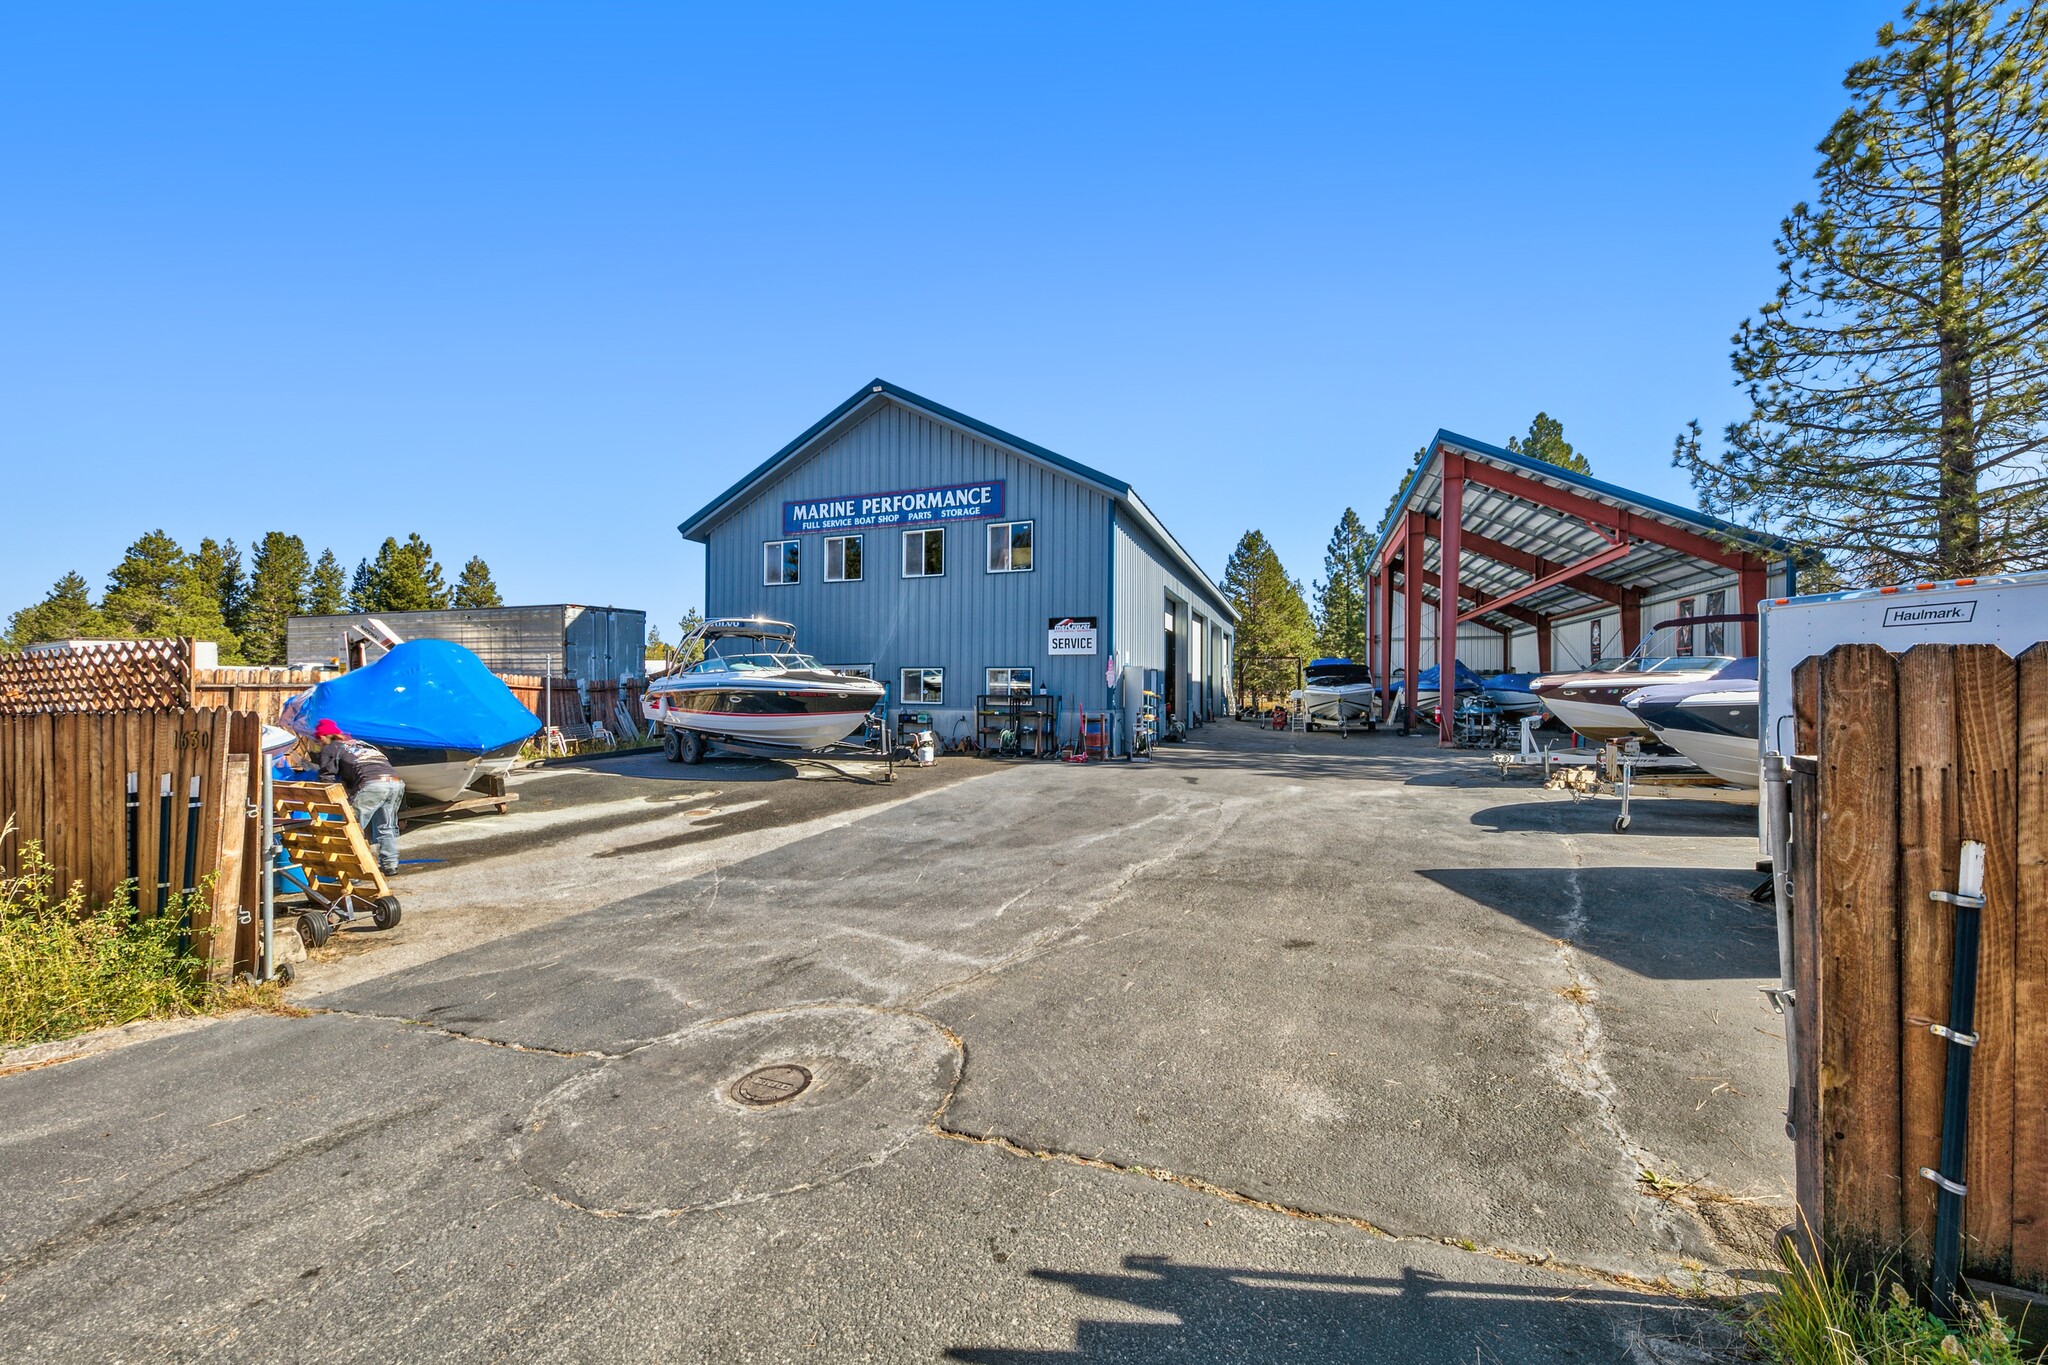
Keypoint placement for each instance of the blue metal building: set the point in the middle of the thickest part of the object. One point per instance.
(953, 560)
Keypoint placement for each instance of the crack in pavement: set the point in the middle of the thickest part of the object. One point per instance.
(460, 1036)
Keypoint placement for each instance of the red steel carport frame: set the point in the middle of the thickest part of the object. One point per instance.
(1575, 508)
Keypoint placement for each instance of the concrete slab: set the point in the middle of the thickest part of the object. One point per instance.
(1228, 1056)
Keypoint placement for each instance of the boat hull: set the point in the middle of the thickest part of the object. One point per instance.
(444, 774)
(1731, 758)
(793, 712)
(1598, 721)
(1715, 728)
(1348, 704)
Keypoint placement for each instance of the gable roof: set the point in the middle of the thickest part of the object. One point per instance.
(877, 393)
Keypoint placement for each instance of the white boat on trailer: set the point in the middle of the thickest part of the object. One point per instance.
(754, 691)
(1340, 693)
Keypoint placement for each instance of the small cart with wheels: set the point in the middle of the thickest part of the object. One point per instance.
(317, 831)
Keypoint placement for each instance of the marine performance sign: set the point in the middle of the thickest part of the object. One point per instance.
(911, 507)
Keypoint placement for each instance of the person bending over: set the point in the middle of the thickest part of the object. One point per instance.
(372, 785)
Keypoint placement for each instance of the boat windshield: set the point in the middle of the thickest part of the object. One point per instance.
(751, 654)
(1687, 663)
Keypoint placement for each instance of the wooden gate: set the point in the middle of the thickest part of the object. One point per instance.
(159, 799)
(1908, 756)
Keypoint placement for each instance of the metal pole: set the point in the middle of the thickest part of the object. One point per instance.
(1968, 899)
(269, 865)
(1777, 816)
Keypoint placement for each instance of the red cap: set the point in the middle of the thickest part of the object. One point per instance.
(326, 728)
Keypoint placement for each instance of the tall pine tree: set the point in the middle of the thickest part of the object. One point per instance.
(1546, 442)
(475, 588)
(158, 590)
(1341, 593)
(1273, 627)
(67, 613)
(327, 591)
(362, 585)
(277, 592)
(406, 577)
(220, 566)
(1898, 381)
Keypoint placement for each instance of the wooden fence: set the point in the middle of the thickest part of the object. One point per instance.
(565, 706)
(116, 675)
(1911, 755)
(261, 690)
(159, 800)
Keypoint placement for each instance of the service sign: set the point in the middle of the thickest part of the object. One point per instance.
(909, 507)
(1066, 636)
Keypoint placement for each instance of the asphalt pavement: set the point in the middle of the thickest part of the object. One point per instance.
(1282, 1047)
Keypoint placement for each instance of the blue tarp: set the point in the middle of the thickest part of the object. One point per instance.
(424, 694)
(1468, 681)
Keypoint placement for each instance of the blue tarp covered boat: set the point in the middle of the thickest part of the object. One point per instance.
(433, 708)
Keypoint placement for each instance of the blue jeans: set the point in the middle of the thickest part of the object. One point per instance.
(377, 806)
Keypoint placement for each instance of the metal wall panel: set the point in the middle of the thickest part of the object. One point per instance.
(1146, 581)
(966, 621)
(507, 639)
(604, 643)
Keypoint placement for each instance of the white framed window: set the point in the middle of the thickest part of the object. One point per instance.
(1009, 547)
(923, 687)
(778, 562)
(1009, 682)
(842, 559)
(924, 552)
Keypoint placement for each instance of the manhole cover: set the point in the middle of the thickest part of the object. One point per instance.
(771, 1085)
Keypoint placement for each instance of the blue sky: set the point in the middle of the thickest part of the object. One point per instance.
(537, 281)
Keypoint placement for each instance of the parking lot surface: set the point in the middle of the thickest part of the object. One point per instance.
(1282, 1047)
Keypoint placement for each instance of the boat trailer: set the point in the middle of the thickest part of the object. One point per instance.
(1616, 767)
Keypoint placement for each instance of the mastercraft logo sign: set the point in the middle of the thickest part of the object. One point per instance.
(908, 507)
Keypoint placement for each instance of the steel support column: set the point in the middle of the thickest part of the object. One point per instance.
(1450, 547)
(1750, 590)
(1543, 645)
(1411, 616)
(1631, 620)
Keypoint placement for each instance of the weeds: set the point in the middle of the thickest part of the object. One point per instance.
(66, 967)
(1819, 1315)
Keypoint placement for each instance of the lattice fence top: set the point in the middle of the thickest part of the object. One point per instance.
(118, 675)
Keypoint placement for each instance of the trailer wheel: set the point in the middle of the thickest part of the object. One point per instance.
(671, 749)
(384, 914)
(315, 928)
(692, 746)
(285, 974)
(1621, 824)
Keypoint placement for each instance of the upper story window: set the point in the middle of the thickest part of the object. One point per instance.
(778, 561)
(1009, 547)
(842, 559)
(924, 552)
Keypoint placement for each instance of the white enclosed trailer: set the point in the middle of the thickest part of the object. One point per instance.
(2010, 611)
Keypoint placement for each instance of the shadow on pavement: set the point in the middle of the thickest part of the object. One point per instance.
(1673, 923)
(1254, 1316)
(1668, 815)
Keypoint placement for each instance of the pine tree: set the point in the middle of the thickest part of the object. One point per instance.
(327, 593)
(475, 588)
(1273, 628)
(277, 592)
(67, 613)
(362, 586)
(157, 590)
(1546, 442)
(406, 577)
(1341, 593)
(220, 566)
(1898, 381)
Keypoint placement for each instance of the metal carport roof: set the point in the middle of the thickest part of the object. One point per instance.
(1537, 543)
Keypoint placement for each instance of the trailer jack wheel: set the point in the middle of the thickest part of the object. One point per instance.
(384, 914)
(1621, 824)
